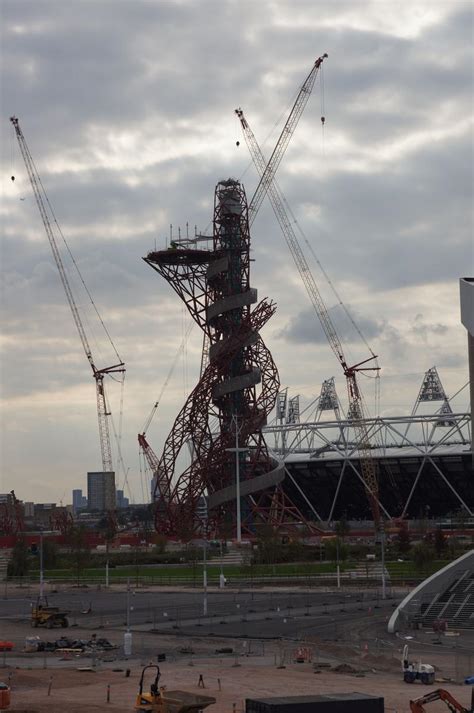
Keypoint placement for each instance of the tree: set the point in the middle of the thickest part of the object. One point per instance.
(80, 550)
(342, 528)
(50, 554)
(268, 545)
(423, 554)
(335, 550)
(439, 541)
(403, 540)
(460, 518)
(296, 550)
(160, 543)
(19, 563)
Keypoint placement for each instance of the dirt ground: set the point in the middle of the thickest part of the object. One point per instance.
(257, 668)
(80, 691)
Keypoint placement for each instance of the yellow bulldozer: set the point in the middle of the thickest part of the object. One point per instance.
(44, 615)
(160, 700)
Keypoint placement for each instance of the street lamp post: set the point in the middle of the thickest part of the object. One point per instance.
(382, 545)
(127, 637)
(221, 576)
(237, 452)
(41, 591)
(204, 574)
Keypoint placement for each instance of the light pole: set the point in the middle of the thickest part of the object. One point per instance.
(338, 569)
(107, 563)
(237, 452)
(41, 591)
(221, 576)
(127, 637)
(382, 546)
(204, 573)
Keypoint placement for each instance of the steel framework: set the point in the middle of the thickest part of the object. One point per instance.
(415, 448)
(215, 287)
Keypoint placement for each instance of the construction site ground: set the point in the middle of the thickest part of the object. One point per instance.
(347, 642)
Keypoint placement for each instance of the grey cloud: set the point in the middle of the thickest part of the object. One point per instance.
(78, 74)
(306, 327)
(423, 330)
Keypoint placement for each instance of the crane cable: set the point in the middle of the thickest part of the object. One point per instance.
(142, 466)
(377, 389)
(181, 347)
(278, 121)
(323, 108)
(118, 441)
(53, 215)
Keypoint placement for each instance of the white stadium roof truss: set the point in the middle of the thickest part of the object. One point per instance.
(427, 438)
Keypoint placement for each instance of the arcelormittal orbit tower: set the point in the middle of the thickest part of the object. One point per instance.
(236, 391)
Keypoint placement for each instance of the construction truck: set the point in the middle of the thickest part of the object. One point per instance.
(159, 700)
(44, 615)
(417, 706)
(416, 671)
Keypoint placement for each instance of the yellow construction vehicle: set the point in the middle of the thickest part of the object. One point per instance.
(44, 615)
(159, 700)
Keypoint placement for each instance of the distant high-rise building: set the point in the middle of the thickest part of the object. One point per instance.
(152, 488)
(29, 509)
(122, 501)
(77, 500)
(101, 491)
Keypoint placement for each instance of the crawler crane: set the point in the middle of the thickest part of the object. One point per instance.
(268, 185)
(98, 374)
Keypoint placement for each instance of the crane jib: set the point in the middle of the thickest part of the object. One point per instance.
(268, 185)
(39, 192)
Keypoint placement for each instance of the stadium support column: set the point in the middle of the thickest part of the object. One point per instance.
(470, 351)
(466, 286)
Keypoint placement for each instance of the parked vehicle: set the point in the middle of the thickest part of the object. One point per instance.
(416, 671)
(44, 615)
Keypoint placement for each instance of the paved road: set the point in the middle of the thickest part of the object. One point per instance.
(172, 610)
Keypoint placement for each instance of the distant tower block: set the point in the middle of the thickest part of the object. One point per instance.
(328, 400)
(293, 410)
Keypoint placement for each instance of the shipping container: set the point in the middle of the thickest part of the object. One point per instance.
(322, 703)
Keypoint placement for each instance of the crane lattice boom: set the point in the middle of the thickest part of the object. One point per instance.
(284, 139)
(368, 468)
(98, 374)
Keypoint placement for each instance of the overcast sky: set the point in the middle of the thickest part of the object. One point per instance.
(128, 109)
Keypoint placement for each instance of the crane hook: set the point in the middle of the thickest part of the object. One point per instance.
(323, 119)
(13, 178)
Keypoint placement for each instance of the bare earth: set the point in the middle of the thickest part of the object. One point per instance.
(77, 691)
(372, 666)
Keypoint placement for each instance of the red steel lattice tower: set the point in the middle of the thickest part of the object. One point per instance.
(238, 388)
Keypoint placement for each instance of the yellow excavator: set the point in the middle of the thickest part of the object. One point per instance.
(160, 700)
